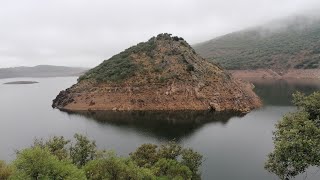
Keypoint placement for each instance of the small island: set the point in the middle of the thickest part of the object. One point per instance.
(21, 82)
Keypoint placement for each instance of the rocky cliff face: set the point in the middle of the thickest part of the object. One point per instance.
(164, 73)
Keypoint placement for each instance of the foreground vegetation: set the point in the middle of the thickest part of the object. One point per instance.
(58, 158)
(297, 139)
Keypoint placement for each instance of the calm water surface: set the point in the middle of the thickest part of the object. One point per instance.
(234, 147)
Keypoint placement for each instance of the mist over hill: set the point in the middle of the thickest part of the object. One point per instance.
(41, 71)
(292, 43)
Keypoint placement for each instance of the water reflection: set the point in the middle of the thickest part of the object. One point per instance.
(279, 92)
(159, 124)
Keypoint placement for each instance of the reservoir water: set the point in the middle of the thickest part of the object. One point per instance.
(234, 146)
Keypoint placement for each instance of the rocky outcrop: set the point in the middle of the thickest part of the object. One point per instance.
(164, 73)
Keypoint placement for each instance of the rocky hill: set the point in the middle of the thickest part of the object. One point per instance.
(41, 71)
(164, 73)
(291, 43)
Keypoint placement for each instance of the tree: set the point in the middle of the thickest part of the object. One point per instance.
(56, 145)
(309, 104)
(296, 139)
(146, 155)
(193, 161)
(171, 150)
(39, 163)
(172, 169)
(83, 151)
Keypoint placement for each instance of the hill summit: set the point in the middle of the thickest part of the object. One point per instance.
(164, 73)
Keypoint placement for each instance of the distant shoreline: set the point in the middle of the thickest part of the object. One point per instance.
(21, 82)
(269, 74)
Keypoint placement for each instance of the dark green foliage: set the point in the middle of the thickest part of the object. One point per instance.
(309, 63)
(172, 169)
(146, 155)
(120, 66)
(193, 161)
(57, 159)
(169, 160)
(83, 151)
(171, 150)
(116, 68)
(264, 48)
(296, 139)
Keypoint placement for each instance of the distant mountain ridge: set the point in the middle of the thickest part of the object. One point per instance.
(41, 71)
(292, 43)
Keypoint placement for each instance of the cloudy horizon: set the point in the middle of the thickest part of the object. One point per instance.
(83, 33)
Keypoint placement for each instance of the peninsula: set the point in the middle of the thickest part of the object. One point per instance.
(164, 73)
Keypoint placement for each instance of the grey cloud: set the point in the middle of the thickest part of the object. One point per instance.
(85, 32)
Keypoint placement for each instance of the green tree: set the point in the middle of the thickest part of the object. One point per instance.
(171, 150)
(296, 139)
(56, 145)
(309, 104)
(146, 155)
(193, 161)
(83, 151)
(172, 169)
(39, 163)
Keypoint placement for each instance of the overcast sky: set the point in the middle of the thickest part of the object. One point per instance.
(85, 32)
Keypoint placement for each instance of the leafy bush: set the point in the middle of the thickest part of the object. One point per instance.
(40, 163)
(5, 171)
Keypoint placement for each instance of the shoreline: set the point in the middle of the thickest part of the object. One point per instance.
(20, 82)
(269, 74)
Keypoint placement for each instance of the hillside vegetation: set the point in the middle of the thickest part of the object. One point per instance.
(274, 46)
(141, 59)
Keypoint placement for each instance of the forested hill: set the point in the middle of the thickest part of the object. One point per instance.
(41, 71)
(285, 44)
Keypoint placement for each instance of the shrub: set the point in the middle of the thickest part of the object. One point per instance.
(190, 67)
(5, 171)
(39, 163)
